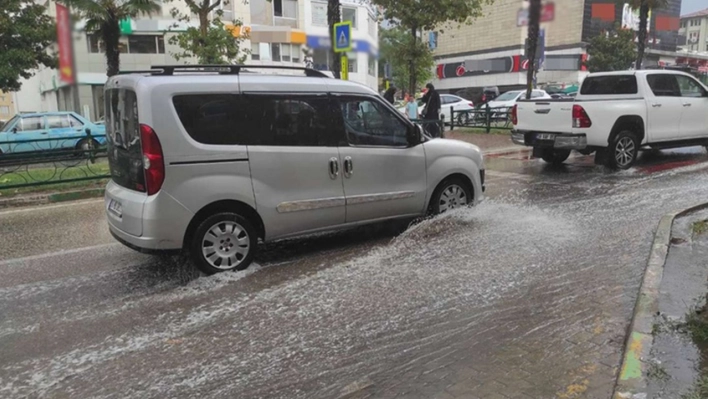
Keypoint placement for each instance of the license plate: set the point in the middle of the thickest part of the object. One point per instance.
(116, 208)
(545, 136)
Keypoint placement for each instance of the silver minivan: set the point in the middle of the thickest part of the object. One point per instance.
(211, 160)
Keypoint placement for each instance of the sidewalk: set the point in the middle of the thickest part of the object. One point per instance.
(487, 142)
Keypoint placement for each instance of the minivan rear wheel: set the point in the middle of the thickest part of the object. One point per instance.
(222, 242)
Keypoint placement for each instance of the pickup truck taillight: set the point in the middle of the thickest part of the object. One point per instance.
(153, 160)
(514, 115)
(580, 117)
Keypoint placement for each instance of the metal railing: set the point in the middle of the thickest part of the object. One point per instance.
(40, 162)
(432, 127)
(484, 117)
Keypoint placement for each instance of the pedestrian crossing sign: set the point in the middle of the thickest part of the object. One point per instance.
(343, 37)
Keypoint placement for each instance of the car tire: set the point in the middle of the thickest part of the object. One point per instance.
(222, 242)
(86, 144)
(623, 150)
(555, 157)
(452, 193)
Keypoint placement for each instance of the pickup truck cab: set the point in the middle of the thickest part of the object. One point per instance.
(616, 114)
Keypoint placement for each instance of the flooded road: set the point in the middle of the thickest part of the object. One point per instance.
(527, 295)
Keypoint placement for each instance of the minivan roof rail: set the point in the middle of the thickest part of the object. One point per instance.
(224, 69)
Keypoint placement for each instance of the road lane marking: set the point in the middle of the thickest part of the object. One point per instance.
(57, 253)
(37, 208)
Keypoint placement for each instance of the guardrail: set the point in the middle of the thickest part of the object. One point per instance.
(485, 117)
(40, 162)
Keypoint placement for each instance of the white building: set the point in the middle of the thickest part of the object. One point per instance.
(280, 32)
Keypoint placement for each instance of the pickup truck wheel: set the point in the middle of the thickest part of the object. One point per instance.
(555, 157)
(623, 151)
(224, 241)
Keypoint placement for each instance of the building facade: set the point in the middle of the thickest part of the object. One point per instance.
(277, 32)
(7, 106)
(694, 28)
(491, 50)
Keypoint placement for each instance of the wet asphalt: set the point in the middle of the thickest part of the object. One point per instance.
(526, 296)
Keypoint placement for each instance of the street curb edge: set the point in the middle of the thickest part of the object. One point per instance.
(631, 380)
(50, 198)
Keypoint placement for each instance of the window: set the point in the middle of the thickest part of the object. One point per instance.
(319, 14)
(447, 100)
(4, 109)
(6, 127)
(664, 85)
(30, 123)
(372, 65)
(57, 121)
(371, 25)
(349, 14)
(285, 8)
(352, 62)
(370, 123)
(285, 52)
(321, 59)
(295, 51)
(689, 87)
(614, 84)
(146, 44)
(275, 51)
(227, 119)
(536, 94)
(255, 51)
(95, 45)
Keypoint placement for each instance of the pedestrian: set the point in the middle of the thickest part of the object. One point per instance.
(390, 94)
(411, 107)
(431, 99)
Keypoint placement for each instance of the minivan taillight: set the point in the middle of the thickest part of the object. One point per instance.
(153, 161)
(514, 115)
(580, 117)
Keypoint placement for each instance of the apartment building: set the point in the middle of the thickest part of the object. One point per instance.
(491, 50)
(7, 106)
(694, 27)
(278, 32)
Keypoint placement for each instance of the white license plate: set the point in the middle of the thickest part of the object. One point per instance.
(545, 136)
(116, 208)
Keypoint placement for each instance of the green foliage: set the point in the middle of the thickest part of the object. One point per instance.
(25, 34)
(212, 41)
(103, 18)
(612, 51)
(397, 49)
(414, 16)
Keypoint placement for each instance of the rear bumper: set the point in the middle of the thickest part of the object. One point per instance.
(561, 141)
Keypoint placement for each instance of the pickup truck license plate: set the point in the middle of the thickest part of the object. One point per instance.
(116, 208)
(545, 136)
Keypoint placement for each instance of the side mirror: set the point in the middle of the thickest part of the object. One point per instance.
(414, 135)
(14, 130)
(88, 131)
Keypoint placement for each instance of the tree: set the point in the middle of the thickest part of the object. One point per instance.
(395, 49)
(644, 7)
(611, 51)
(534, 31)
(25, 33)
(103, 19)
(211, 42)
(416, 16)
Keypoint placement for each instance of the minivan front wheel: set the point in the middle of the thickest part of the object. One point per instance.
(451, 194)
(224, 241)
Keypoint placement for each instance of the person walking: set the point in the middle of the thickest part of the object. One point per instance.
(390, 94)
(431, 99)
(411, 107)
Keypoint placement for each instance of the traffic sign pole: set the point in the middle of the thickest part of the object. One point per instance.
(345, 67)
(342, 45)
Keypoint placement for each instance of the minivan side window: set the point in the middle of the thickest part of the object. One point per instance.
(370, 123)
(290, 120)
(664, 85)
(212, 118)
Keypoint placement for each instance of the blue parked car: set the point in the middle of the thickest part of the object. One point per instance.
(56, 130)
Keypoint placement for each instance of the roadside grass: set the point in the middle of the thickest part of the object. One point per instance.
(52, 177)
(700, 391)
(700, 227)
(696, 325)
(657, 372)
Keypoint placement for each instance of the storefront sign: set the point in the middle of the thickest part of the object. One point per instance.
(511, 64)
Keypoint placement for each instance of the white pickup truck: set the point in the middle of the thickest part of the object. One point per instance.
(616, 114)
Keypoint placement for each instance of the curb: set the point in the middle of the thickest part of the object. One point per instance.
(632, 379)
(50, 198)
(506, 151)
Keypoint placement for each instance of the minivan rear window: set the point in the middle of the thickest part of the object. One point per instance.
(613, 84)
(125, 156)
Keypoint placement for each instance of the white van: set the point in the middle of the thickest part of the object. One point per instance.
(211, 159)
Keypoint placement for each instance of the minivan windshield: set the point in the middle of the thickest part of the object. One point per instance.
(508, 96)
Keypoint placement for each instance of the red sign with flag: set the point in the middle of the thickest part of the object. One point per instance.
(66, 58)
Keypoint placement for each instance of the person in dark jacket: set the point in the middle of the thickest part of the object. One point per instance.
(431, 99)
(390, 94)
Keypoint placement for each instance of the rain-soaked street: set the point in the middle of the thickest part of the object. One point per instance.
(528, 295)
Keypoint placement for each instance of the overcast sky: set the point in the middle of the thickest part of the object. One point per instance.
(689, 6)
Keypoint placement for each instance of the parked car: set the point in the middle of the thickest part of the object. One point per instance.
(447, 102)
(502, 104)
(214, 162)
(53, 130)
(615, 115)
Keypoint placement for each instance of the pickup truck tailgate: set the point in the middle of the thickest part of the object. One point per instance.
(548, 116)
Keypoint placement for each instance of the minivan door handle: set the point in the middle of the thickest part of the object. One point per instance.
(333, 168)
(348, 167)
